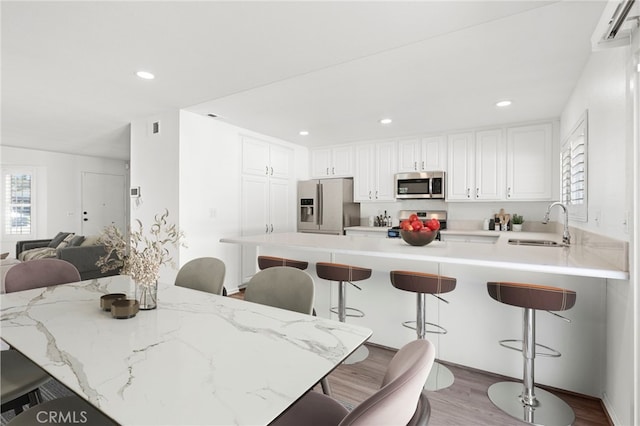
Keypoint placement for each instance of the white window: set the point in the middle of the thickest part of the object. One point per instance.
(573, 157)
(18, 213)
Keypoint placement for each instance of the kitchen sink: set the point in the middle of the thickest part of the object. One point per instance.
(538, 243)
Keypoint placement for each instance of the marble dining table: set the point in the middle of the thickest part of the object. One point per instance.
(196, 359)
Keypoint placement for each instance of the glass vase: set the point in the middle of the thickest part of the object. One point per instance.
(147, 295)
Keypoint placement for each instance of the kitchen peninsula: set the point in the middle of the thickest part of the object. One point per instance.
(474, 321)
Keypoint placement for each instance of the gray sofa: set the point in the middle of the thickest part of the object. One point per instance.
(83, 256)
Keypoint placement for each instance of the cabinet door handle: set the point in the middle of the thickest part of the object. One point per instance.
(369, 194)
(271, 171)
(468, 192)
(509, 192)
(415, 165)
(327, 171)
(423, 165)
(477, 192)
(266, 228)
(333, 170)
(271, 230)
(376, 195)
(266, 170)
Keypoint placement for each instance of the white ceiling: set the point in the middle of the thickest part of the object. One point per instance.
(332, 68)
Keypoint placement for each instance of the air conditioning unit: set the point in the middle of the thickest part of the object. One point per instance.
(618, 22)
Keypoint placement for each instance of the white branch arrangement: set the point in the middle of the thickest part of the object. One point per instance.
(141, 255)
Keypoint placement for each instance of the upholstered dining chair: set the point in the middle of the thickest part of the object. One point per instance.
(40, 273)
(399, 401)
(204, 274)
(21, 378)
(284, 287)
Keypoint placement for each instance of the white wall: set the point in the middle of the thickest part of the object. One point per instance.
(193, 168)
(155, 169)
(58, 189)
(603, 90)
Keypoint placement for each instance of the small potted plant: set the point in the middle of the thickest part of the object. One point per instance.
(517, 222)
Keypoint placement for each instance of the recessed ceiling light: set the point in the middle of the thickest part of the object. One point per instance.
(502, 104)
(386, 121)
(145, 75)
(304, 133)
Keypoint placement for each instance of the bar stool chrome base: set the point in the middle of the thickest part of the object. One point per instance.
(357, 312)
(549, 410)
(358, 355)
(440, 377)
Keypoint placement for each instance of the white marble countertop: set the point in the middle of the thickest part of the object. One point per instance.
(197, 359)
(572, 260)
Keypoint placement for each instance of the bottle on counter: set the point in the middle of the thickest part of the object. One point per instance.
(485, 225)
(492, 224)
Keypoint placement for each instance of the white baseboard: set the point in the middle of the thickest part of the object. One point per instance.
(609, 410)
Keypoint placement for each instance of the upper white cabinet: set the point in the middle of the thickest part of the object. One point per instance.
(483, 166)
(375, 166)
(265, 159)
(490, 164)
(422, 154)
(461, 166)
(332, 162)
(529, 162)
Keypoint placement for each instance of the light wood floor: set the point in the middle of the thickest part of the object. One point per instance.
(464, 403)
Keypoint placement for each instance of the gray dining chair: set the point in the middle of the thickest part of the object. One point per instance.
(284, 287)
(21, 378)
(68, 410)
(400, 400)
(204, 274)
(40, 273)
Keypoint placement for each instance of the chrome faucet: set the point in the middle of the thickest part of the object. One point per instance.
(566, 238)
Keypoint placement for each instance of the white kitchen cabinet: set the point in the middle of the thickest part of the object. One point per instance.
(266, 199)
(332, 162)
(476, 166)
(529, 162)
(262, 158)
(461, 167)
(489, 165)
(375, 166)
(422, 154)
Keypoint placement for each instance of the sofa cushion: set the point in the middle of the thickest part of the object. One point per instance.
(64, 243)
(76, 241)
(58, 239)
(90, 240)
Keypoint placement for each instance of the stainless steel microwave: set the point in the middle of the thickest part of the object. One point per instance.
(420, 185)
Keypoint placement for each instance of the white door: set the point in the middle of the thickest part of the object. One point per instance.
(103, 202)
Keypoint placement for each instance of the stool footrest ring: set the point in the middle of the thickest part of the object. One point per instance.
(439, 329)
(358, 313)
(551, 352)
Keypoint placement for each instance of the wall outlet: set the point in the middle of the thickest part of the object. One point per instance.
(625, 222)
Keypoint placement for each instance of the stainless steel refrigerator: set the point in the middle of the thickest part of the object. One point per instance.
(325, 206)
